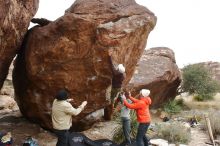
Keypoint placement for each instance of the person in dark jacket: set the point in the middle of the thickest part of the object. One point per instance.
(117, 80)
(118, 76)
(141, 106)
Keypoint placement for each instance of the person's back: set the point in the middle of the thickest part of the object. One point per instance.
(118, 76)
(125, 116)
(62, 112)
(143, 113)
(117, 80)
(125, 112)
(60, 118)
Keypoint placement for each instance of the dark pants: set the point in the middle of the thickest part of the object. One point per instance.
(62, 136)
(141, 138)
(126, 125)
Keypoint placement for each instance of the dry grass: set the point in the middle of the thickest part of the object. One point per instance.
(215, 123)
(192, 104)
(174, 132)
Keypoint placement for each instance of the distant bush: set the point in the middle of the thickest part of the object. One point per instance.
(174, 132)
(118, 135)
(198, 80)
(173, 106)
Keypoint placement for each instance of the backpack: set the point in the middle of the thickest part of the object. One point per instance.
(30, 142)
(78, 139)
(6, 139)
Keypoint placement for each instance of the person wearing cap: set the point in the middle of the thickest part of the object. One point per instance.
(141, 106)
(118, 76)
(117, 80)
(62, 112)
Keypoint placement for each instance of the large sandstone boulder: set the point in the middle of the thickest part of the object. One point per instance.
(15, 16)
(157, 71)
(74, 52)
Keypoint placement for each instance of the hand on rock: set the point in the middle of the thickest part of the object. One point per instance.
(123, 97)
(129, 94)
(84, 103)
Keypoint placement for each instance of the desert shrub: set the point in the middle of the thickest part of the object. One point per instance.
(198, 98)
(174, 132)
(214, 120)
(118, 135)
(172, 107)
(180, 102)
(198, 118)
(198, 80)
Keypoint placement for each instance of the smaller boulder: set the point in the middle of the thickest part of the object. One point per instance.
(157, 71)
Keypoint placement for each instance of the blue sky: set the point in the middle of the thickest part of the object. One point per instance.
(191, 28)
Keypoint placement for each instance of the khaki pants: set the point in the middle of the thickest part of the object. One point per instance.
(108, 111)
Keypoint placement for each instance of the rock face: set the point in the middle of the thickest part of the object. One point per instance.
(74, 52)
(15, 17)
(157, 71)
(214, 67)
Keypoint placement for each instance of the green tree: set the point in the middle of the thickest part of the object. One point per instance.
(197, 79)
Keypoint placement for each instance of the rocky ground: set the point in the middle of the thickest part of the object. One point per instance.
(12, 121)
(21, 129)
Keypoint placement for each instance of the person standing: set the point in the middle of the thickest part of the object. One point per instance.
(141, 106)
(62, 112)
(125, 117)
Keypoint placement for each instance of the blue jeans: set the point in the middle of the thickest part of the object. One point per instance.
(141, 138)
(126, 125)
(63, 136)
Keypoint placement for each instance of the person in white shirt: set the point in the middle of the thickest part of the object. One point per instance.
(62, 112)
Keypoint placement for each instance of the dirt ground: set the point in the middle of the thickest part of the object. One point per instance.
(21, 128)
(200, 137)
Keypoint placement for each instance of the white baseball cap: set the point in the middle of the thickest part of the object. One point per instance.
(145, 92)
(121, 68)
